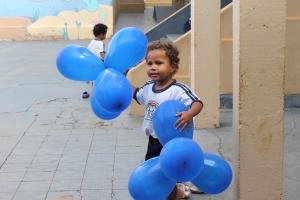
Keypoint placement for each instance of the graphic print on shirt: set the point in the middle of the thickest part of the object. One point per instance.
(150, 108)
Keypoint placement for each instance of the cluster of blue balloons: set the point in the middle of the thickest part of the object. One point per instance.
(180, 160)
(112, 92)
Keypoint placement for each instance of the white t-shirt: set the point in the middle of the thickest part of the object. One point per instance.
(151, 99)
(96, 47)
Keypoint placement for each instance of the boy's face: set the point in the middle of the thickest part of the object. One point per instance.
(159, 67)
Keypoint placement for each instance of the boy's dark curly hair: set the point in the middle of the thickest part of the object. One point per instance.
(171, 51)
(99, 29)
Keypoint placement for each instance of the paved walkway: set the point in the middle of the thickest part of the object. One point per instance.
(53, 147)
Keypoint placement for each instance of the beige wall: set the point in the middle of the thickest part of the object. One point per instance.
(159, 2)
(292, 61)
(116, 11)
(205, 60)
(259, 30)
(165, 2)
(226, 51)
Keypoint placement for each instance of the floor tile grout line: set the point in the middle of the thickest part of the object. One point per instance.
(113, 196)
(17, 143)
(44, 139)
(90, 147)
(61, 155)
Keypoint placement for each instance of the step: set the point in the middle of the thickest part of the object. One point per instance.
(290, 101)
(132, 6)
(173, 37)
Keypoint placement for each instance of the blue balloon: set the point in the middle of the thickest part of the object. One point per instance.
(216, 175)
(102, 113)
(78, 63)
(126, 49)
(164, 120)
(112, 91)
(148, 182)
(181, 159)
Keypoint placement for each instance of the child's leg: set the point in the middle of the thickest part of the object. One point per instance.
(179, 192)
(173, 194)
(154, 148)
(86, 94)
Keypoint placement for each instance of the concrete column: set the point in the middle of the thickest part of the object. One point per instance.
(258, 71)
(205, 59)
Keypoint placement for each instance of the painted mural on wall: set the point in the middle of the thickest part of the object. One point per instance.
(53, 19)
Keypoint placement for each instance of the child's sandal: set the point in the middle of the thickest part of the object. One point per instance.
(85, 95)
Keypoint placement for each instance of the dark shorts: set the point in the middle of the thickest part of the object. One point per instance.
(154, 148)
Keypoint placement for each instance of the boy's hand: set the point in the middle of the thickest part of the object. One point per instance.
(184, 120)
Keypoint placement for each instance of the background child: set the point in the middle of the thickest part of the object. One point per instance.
(97, 47)
(162, 64)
